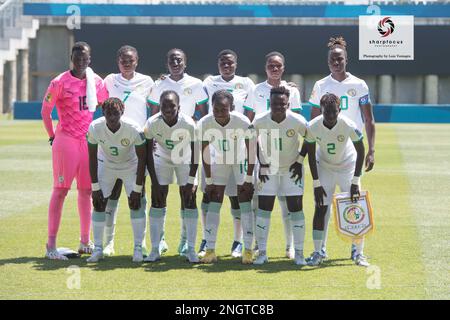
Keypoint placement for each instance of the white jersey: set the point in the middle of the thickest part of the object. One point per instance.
(352, 91)
(133, 94)
(240, 87)
(173, 143)
(189, 89)
(258, 100)
(336, 150)
(116, 150)
(279, 142)
(227, 142)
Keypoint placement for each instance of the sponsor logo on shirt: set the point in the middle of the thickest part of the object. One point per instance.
(125, 142)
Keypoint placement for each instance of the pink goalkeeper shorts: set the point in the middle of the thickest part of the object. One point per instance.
(70, 160)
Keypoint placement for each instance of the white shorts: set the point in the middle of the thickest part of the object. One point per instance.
(165, 170)
(280, 185)
(329, 178)
(224, 177)
(107, 178)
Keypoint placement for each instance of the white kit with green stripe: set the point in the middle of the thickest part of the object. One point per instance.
(352, 91)
(240, 88)
(259, 100)
(173, 143)
(279, 142)
(133, 94)
(116, 150)
(336, 150)
(189, 89)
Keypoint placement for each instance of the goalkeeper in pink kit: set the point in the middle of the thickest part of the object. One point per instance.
(76, 94)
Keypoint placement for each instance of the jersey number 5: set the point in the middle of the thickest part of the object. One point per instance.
(331, 148)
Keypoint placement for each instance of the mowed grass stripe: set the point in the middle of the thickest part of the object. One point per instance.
(26, 274)
(427, 147)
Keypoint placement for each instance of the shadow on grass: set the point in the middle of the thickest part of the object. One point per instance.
(173, 262)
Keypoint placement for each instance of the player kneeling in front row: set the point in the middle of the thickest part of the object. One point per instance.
(281, 171)
(176, 152)
(122, 155)
(226, 135)
(340, 163)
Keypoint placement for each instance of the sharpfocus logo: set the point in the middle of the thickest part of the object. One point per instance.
(386, 27)
(386, 37)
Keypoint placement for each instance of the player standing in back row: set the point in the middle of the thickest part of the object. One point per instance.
(355, 104)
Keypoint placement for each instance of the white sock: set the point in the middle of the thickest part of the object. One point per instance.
(298, 229)
(325, 229)
(203, 217)
(317, 239)
(191, 220)
(144, 206)
(112, 207)
(255, 211)
(247, 224)
(286, 221)
(236, 213)
(183, 226)
(138, 224)
(359, 246)
(156, 222)
(262, 228)
(212, 224)
(98, 224)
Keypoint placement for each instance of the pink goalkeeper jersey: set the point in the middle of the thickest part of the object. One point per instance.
(68, 93)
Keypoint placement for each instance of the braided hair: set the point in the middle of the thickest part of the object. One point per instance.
(115, 103)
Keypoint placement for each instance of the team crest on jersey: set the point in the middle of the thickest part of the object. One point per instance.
(239, 86)
(61, 179)
(290, 133)
(351, 92)
(187, 91)
(341, 138)
(48, 98)
(125, 142)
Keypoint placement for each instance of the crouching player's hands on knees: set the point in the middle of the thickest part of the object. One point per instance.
(296, 169)
(98, 201)
(134, 201)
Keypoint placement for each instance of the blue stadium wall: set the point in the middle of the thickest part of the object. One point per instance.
(382, 113)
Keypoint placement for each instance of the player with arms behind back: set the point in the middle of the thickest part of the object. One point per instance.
(116, 151)
(75, 93)
(340, 159)
(355, 105)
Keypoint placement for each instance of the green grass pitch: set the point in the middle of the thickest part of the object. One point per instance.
(409, 250)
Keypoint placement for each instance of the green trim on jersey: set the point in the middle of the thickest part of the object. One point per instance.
(360, 139)
(308, 141)
(297, 109)
(153, 102)
(314, 105)
(142, 144)
(201, 102)
(248, 108)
